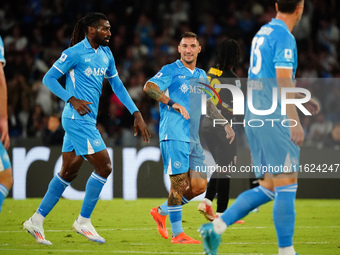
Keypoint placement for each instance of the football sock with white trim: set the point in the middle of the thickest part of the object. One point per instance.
(93, 188)
(55, 189)
(284, 214)
(245, 202)
(175, 216)
(163, 208)
(3, 194)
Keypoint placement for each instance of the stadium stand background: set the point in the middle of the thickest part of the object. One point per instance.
(144, 38)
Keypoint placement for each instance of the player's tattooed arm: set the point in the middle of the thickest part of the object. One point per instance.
(213, 113)
(153, 91)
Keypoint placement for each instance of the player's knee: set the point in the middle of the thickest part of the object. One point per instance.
(105, 171)
(199, 189)
(68, 175)
(108, 170)
(7, 178)
(10, 182)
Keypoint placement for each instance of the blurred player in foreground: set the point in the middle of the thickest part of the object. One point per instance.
(273, 55)
(6, 179)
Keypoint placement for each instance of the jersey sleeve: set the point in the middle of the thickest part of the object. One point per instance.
(2, 52)
(67, 60)
(122, 94)
(163, 78)
(284, 51)
(112, 70)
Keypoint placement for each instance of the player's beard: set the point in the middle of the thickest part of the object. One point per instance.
(188, 61)
(100, 41)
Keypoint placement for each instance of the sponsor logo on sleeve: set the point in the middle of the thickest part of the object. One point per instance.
(62, 58)
(288, 54)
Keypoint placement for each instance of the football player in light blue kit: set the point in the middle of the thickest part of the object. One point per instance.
(86, 63)
(6, 179)
(273, 55)
(175, 86)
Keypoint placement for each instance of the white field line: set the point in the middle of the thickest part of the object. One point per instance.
(127, 252)
(141, 229)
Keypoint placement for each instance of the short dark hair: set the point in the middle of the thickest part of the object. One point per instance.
(227, 54)
(287, 6)
(80, 29)
(189, 35)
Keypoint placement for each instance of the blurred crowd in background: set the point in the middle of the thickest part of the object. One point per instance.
(145, 35)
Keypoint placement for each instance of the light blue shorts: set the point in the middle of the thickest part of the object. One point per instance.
(271, 149)
(81, 136)
(179, 157)
(4, 158)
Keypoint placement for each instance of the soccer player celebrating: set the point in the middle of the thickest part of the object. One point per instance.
(179, 140)
(273, 55)
(86, 62)
(6, 179)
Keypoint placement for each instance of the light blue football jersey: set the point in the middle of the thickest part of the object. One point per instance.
(85, 70)
(272, 47)
(4, 159)
(2, 52)
(181, 85)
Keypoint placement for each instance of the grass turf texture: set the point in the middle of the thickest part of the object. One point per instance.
(129, 229)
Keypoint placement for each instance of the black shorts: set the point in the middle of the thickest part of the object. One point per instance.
(223, 153)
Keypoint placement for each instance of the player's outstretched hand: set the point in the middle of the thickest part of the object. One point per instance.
(230, 133)
(140, 124)
(80, 105)
(4, 133)
(297, 135)
(181, 109)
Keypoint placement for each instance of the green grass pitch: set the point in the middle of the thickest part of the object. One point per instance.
(129, 229)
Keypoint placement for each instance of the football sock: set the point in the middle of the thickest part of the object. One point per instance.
(185, 200)
(207, 201)
(3, 194)
(219, 226)
(284, 214)
(223, 187)
(175, 216)
(81, 220)
(38, 219)
(212, 187)
(287, 251)
(245, 202)
(163, 208)
(55, 190)
(93, 188)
